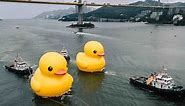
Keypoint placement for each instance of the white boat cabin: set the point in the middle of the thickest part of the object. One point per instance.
(64, 52)
(20, 64)
(161, 80)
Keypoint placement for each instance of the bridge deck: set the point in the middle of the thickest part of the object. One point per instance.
(76, 3)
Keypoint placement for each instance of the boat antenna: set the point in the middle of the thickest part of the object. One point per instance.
(164, 70)
(63, 47)
(17, 55)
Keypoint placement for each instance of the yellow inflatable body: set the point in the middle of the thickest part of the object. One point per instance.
(92, 60)
(51, 78)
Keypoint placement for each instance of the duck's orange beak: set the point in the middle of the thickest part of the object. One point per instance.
(61, 72)
(101, 54)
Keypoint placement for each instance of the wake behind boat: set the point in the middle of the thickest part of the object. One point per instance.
(20, 67)
(160, 83)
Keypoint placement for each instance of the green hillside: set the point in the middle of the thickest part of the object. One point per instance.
(125, 13)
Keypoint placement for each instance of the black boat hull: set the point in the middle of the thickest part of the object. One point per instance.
(19, 72)
(169, 93)
(67, 58)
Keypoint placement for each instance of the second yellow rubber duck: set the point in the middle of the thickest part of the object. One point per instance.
(51, 78)
(92, 60)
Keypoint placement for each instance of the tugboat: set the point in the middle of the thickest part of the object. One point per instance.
(64, 52)
(20, 67)
(160, 83)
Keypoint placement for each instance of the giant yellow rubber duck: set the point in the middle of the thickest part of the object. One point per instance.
(51, 78)
(92, 60)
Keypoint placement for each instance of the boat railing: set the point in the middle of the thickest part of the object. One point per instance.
(177, 88)
(139, 79)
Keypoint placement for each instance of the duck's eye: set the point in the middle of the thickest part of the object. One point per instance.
(50, 68)
(94, 51)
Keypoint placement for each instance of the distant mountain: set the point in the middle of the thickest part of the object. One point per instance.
(175, 4)
(146, 3)
(155, 3)
(107, 13)
(57, 14)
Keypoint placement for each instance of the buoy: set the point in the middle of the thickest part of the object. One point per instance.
(92, 59)
(17, 27)
(51, 78)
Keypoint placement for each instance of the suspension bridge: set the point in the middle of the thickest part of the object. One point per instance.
(80, 5)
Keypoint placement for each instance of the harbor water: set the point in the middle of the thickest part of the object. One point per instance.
(131, 49)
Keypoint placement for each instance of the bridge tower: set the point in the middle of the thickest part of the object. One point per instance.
(80, 13)
(159, 1)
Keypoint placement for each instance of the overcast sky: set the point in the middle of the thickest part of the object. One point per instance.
(19, 11)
